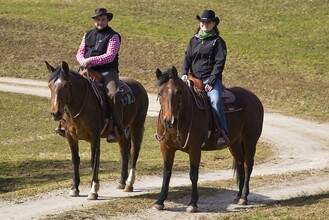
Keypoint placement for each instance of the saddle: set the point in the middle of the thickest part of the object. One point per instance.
(95, 80)
(229, 100)
(231, 104)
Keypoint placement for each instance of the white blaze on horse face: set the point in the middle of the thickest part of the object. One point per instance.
(168, 106)
(57, 84)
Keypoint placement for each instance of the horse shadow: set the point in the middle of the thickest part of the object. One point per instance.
(211, 200)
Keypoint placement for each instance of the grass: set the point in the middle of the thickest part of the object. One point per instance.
(277, 49)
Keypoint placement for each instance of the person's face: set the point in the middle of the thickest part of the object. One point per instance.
(101, 22)
(207, 26)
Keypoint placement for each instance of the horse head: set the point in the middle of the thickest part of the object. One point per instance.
(60, 86)
(169, 95)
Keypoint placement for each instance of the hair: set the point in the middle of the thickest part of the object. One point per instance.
(198, 29)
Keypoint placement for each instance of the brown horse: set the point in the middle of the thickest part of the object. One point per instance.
(181, 125)
(74, 102)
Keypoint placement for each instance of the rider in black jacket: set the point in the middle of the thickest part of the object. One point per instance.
(205, 59)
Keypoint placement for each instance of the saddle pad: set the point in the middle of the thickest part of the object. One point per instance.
(128, 96)
(232, 107)
(228, 96)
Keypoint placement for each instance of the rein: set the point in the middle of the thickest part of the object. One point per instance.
(66, 109)
(189, 128)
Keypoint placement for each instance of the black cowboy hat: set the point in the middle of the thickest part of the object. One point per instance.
(102, 11)
(208, 15)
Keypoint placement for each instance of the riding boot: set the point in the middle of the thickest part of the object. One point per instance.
(117, 112)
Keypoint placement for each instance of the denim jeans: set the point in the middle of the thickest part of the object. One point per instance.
(215, 97)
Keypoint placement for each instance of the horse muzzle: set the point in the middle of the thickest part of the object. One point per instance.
(171, 123)
(56, 115)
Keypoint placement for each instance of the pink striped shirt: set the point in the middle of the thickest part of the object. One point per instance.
(112, 50)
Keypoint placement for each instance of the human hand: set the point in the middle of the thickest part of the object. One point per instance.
(208, 87)
(184, 78)
(85, 62)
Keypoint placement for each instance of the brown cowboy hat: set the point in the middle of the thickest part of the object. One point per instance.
(102, 11)
(208, 15)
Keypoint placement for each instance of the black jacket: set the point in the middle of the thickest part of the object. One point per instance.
(96, 42)
(205, 59)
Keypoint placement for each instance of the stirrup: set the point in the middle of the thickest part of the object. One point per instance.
(61, 132)
(113, 136)
(223, 141)
(226, 138)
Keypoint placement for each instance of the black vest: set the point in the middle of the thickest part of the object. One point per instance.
(96, 42)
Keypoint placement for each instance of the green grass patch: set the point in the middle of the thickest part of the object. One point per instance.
(277, 49)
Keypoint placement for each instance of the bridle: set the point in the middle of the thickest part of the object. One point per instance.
(66, 108)
(178, 136)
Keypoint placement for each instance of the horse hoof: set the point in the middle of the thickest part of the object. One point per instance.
(121, 186)
(92, 196)
(191, 208)
(237, 199)
(242, 202)
(74, 193)
(128, 188)
(158, 206)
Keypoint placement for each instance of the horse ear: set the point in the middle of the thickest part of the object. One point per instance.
(174, 71)
(49, 67)
(158, 73)
(65, 67)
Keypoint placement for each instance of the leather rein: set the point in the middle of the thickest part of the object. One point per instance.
(66, 109)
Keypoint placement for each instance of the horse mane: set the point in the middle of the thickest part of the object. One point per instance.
(166, 75)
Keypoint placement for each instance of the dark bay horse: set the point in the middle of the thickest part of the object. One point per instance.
(73, 101)
(181, 125)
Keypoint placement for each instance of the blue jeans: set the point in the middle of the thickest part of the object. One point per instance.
(215, 97)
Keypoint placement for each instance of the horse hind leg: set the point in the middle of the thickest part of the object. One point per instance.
(240, 175)
(244, 166)
(124, 144)
(136, 136)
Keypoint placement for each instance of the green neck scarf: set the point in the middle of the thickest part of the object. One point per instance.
(203, 35)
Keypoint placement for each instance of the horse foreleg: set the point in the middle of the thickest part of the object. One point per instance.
(130, 181)
(168, 158)
(195, 157)
(74, 147)
(95, 157)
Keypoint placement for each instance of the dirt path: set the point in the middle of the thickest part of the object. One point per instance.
(299, 145)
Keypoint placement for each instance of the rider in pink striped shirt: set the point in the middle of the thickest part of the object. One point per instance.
(99, 51)
(112, 50)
